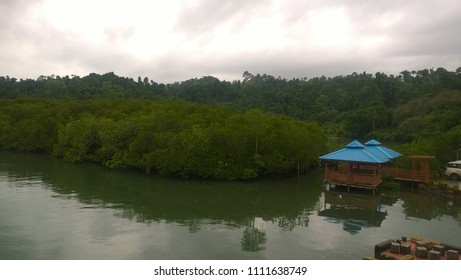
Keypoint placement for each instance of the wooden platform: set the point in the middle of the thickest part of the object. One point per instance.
(419, 172)
(358, 178)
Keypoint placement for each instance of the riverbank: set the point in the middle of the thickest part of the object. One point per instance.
(444, 187)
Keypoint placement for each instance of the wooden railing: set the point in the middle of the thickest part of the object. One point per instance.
(351, 178)
(405, 174)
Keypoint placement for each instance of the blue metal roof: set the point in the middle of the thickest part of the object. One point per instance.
(371, 152)
(355, 144)
(377, 148)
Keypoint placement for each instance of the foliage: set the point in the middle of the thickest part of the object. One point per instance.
(417, 110)
(390, 183)
(171, 138)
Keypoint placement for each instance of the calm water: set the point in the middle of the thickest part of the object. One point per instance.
(53, 210)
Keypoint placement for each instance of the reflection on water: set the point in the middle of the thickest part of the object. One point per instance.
(253, 239)
(53, 210)
(353, 210)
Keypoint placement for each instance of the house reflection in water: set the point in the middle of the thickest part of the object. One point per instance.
(354, 211)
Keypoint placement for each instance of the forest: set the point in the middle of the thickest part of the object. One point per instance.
(255, 127)
(168, 137)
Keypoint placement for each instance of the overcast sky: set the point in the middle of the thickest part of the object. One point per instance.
(175, 40)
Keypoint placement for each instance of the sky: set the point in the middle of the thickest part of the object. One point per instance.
(175, 40)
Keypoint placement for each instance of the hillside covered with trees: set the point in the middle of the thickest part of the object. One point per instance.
(419, 111)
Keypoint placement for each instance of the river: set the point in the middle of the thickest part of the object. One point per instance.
(53, 210)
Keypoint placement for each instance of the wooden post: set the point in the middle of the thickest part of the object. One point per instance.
(325, 175)
(427, 171)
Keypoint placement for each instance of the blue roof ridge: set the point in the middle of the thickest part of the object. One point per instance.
(373, 142)
(355, 144)
(355, 151)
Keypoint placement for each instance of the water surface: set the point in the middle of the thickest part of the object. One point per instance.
(53, 210)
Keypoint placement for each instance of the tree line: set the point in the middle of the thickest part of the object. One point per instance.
(417, 110)
(167, 137)
(360, 105)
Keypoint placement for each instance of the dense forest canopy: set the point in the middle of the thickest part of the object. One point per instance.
(418, 110)
(168, 137)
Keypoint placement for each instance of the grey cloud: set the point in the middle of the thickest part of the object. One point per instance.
(10, 7)
(413, 35)
(41, 50)
(426, 35)
(285, 65)
(208, 14)
(119, 33)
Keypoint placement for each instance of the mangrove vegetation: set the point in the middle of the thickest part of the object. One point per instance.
(168, 137)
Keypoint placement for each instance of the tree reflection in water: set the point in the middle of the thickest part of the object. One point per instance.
(253, 239)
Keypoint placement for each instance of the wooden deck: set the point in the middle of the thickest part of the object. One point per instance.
(352, 179)
(402, 174)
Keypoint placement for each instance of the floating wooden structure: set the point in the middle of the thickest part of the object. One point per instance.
(363, 166)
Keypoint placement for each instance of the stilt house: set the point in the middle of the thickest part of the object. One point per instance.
(362, 166)
(358, 165)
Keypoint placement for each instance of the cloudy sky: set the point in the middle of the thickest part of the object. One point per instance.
(175, 40)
